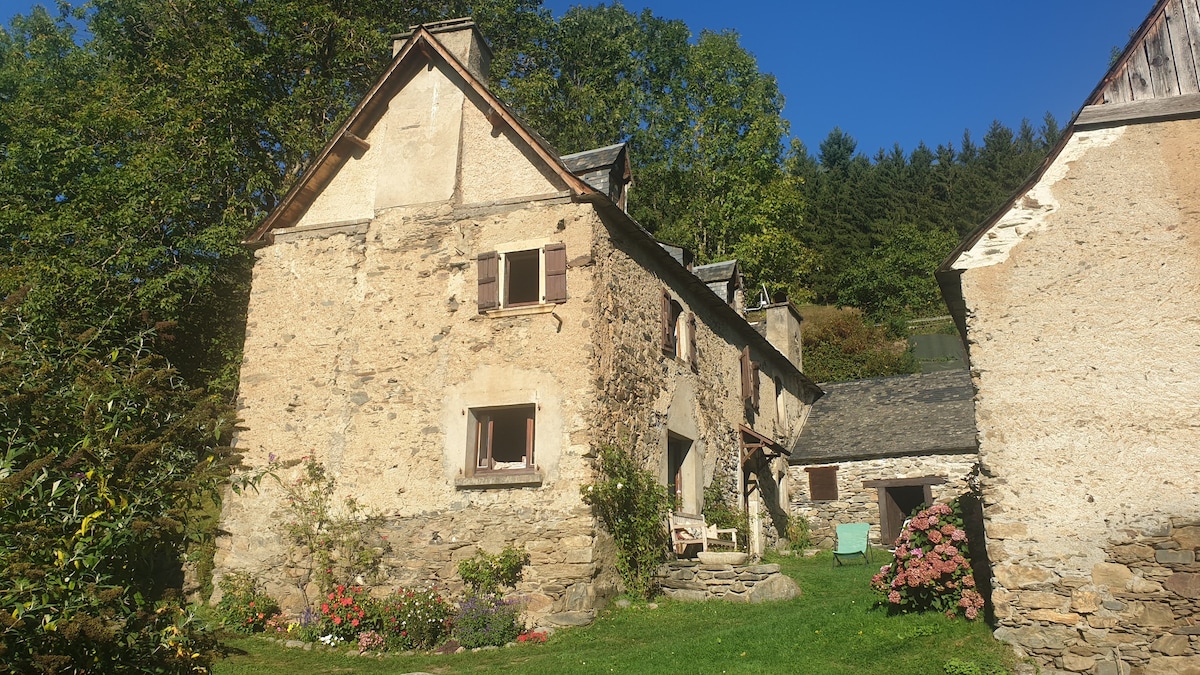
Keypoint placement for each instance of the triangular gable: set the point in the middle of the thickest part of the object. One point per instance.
(1155, 78)
(421, 49)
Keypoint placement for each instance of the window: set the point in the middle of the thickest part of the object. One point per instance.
(502, 438)
(678, 331)
(822, 483)
(523, 277)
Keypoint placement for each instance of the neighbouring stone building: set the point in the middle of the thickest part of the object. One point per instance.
(873, 450)
(1080, 305)
(453, 318)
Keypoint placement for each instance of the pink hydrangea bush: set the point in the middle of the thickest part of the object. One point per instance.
(931, 569)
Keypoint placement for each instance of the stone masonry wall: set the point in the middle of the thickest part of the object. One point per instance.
(365, 350)
(692, 581)
(1083, 316)
(858, 504)
(644, 394)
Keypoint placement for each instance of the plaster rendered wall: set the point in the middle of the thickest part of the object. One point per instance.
(858, 504)
(1084, 325)
(365, 349)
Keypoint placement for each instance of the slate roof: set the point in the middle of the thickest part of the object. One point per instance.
(589, 160)
(922, 414)
(718, 271)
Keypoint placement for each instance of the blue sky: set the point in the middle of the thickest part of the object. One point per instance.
(901, 72)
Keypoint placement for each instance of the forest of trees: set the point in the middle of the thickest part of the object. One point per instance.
(135, 155)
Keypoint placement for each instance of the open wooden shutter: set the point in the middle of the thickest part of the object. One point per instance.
(747, 376)
(754, 384)
(489, 282)
(529, 439)
(556, 273)
(693, 357)
(668, 326)
(483, 442)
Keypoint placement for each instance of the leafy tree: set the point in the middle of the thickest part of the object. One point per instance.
(841, 345)
(896, 279)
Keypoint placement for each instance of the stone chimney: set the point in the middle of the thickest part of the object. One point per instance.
(782, 321)
(461, 37)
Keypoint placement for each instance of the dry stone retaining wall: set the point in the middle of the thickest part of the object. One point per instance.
(693, 581)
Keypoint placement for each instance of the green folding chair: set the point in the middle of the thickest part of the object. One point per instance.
(852, 541)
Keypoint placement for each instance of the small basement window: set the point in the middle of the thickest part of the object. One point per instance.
(502, 438)
(822, 483)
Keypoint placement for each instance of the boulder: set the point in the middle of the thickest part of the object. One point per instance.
(777, 587)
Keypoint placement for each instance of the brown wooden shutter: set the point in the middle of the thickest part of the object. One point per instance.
(754, 384)
(529, 438)
(668, 326)
(822, 483)
(483, 442)
(489, 286)
(556, 273)
(693, 356)
(747, 376)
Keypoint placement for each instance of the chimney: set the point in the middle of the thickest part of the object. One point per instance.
(460, 37)
(783, 330)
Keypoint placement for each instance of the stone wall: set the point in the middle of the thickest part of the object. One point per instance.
(365, 350)
(858, 504)
(1083, 318)
(693, 581)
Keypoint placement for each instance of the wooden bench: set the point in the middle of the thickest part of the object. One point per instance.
(689, 529)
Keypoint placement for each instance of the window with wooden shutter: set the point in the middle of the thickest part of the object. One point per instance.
(503, 438)
(556, 272)
(822, 483)
(692, 356)
(489, 281)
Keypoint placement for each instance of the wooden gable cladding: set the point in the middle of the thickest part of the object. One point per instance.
(1161, 61)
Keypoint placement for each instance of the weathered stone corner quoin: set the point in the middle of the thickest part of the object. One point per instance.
(453, 318)
(1080, 303)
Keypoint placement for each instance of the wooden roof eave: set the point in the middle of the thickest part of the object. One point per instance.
(294, 203)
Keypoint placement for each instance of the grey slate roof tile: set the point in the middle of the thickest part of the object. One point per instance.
(926, 413)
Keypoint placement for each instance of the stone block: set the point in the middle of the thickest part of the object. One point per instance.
(1052, 616)
(777, 587)
(1174, 665)
(1140, 584)
(1152, 614)
(1185, 584)
(1042, 600)
(1187, 537)
(686, 595)
(1112, 668)
(1175, 557)
(1085, 601)
(1012, 576)
(580, 555)
(1112, 575)
(1171, 645)
(1076, 663)
(575, 618)
(1037, 637)
(1134, 552)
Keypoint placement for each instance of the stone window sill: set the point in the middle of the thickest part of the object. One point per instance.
(524, 310)
(490, 481)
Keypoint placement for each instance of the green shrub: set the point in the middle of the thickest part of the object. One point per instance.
(799, 533)
(344, 612)
(244, 607)
(718, 511)
(484, 620)
(632, 506)
(486, 573)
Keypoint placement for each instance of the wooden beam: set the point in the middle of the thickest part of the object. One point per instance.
(357, 142)
(1149, 110)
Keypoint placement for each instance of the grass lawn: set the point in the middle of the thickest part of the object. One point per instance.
(833, 628)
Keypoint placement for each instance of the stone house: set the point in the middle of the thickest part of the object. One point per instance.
(453, 318)
(872, 450)
(1080, 305)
